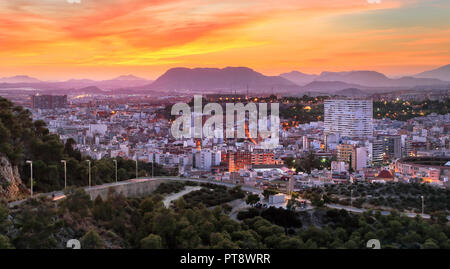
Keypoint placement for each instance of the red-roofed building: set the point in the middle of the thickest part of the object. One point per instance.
(385, 175)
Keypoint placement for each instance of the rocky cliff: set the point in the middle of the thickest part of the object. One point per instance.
(11, 186)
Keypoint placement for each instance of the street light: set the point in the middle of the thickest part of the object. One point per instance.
(115, 161)
(153, 159)
(31, 177)
(65, 173)
(136, 166)
(351, 198)
(422, 204)
(89, 162)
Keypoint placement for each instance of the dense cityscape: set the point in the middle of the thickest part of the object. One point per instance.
(337, 158)
(351, 144)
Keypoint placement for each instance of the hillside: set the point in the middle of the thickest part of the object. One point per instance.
(214, 79)
(299, 78)
(442, 73)
(376, 79)
(19, 79)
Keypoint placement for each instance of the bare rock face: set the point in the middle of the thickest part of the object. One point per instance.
(11, 186)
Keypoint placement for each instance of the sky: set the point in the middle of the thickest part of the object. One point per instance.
(101, 39)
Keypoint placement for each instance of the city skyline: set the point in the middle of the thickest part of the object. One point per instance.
(85, 39)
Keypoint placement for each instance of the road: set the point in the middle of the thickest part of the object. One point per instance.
(362, 210)
(58, 195)
(230, 185)
(175, 196)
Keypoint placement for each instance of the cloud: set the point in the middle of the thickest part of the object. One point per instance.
(261, 34)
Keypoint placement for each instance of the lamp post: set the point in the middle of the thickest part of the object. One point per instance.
(136, 166)
(31, 175)
(115, 161)
(65, 173)
(351, 198)
(89, 163)
(422, 204)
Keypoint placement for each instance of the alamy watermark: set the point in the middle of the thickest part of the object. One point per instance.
(241, 121)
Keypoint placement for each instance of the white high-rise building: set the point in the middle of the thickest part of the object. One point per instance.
(349, 117)
(204, 159)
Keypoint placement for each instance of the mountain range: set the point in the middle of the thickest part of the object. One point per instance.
(19, 79)
(215, 79)
(125, 81)
(442, 73)
(240, 79)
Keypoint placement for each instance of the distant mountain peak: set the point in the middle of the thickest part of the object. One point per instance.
(128, 77)
(299, 78)
(442, 73)
(367, 73)
(19, 79)
(210, 79)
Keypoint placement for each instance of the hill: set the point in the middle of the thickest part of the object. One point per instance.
(442, 73)
(214, 79)
(376, 79)
(329, 86)
(351, 92)
(19, 79)
(299, 78)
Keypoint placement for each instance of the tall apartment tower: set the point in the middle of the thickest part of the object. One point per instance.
(392, 145)
(349, 117)
(48, 101)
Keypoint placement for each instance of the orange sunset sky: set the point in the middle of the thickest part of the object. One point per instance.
(100, 39)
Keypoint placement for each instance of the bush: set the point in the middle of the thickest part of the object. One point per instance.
(92, 240)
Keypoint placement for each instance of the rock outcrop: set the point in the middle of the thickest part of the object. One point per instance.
(11, 186)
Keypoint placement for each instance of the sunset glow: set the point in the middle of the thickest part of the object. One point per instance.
(56, 39)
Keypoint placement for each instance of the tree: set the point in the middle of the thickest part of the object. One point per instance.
(37, 224)
(282, 217)
(430, 244)
(152, 241)
(165, 226)
(92, 240)
(309, 162)
(4, 212)
(269, 192)
(4, 242)
(351, 244)
(291, 243)
(252, 199)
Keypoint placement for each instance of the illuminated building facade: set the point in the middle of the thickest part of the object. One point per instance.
(242, 159)
(349, 117)
(49, 101)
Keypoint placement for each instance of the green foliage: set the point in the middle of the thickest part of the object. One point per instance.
(4, 213)
(92, 240)
(297, 108)
(212, 195)
(77, 202)
(404, 110)
(119, 222)
(395, 195)
(268, 192)
(171, 187)
(4, 243)
(152, 241)
(252, 199)
(37, 225)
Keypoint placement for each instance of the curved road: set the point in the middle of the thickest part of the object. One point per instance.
(57, 195)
